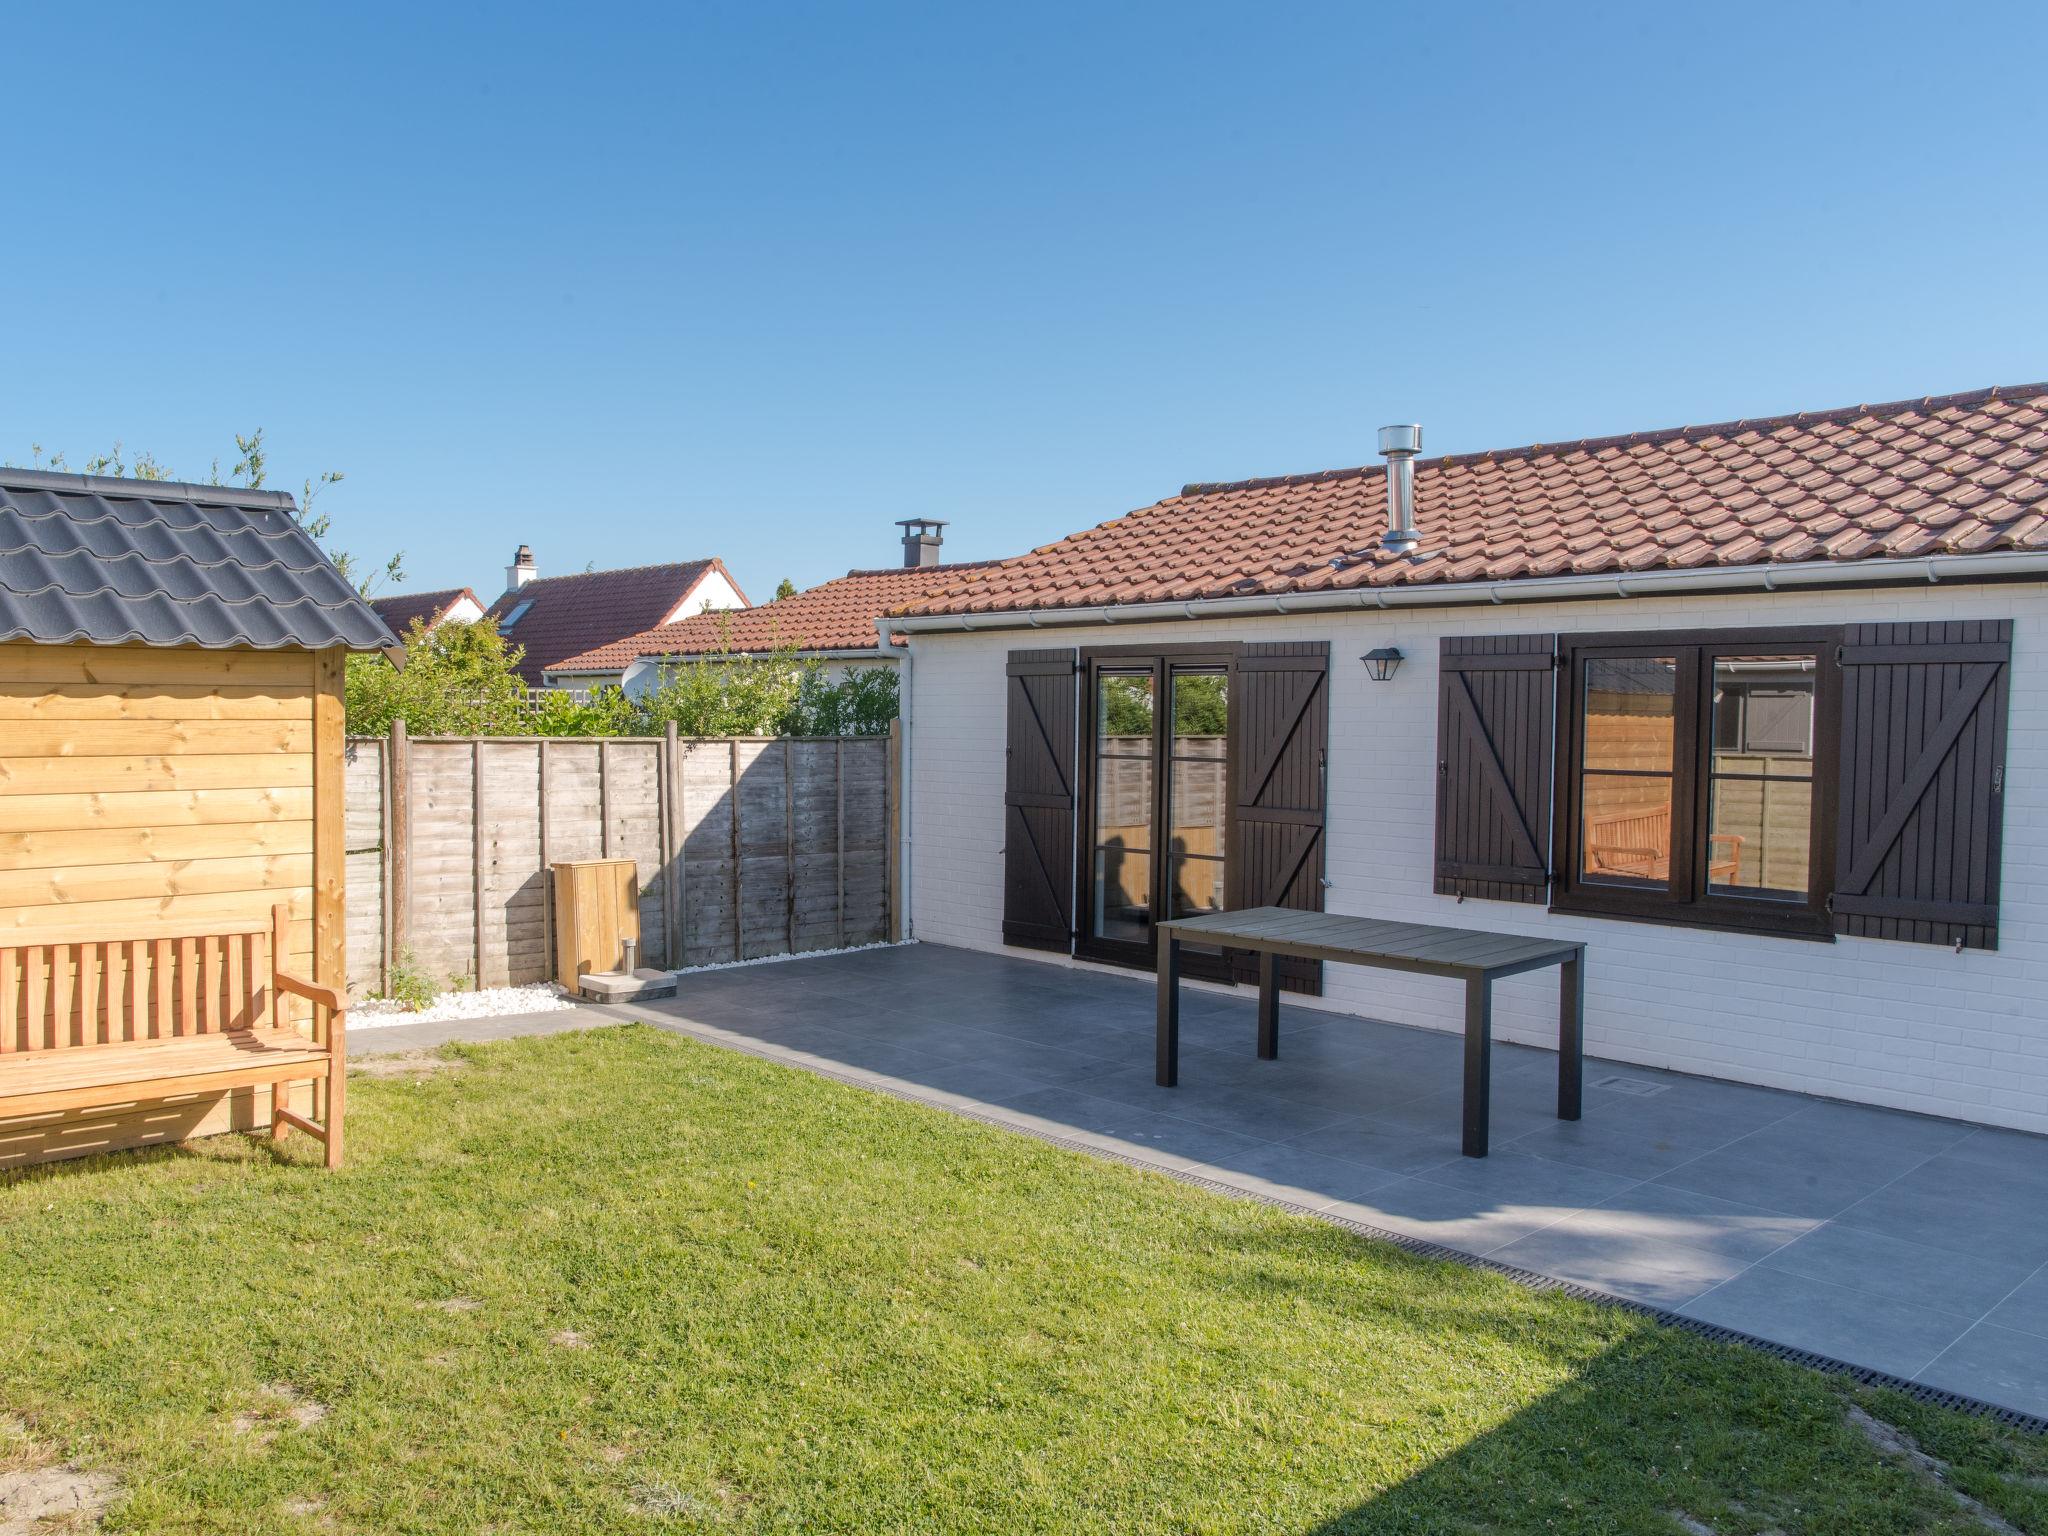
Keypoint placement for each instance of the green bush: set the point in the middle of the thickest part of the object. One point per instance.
(461, 680)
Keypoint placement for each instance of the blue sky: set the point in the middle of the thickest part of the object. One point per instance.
(757, 279)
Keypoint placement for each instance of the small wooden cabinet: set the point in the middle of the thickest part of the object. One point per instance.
(597, 911)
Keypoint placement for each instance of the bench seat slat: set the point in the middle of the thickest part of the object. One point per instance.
(37, 1082)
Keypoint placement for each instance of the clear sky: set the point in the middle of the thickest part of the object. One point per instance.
(757, 279)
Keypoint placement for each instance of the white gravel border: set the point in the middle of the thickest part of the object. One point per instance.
(487, 1003)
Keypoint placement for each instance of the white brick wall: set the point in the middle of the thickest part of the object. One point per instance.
(1907, 1025)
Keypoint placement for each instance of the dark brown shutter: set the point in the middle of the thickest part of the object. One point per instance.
(1495, 717)
(1922, 781)
(1279, 737)
(1038, 801)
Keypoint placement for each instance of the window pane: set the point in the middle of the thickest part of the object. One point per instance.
(1760, 798)
(1625, 822)
(1197, 886)
(1201, 712)
(1760, 834)
(1123, 714)
(1123, 893)
(1123, 803)
(1630, 712)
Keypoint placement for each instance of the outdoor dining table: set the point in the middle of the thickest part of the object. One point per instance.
(1471, 955)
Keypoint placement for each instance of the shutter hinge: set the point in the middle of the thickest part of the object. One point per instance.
(1828, 906)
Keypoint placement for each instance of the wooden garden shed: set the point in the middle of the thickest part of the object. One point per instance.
(171, 745)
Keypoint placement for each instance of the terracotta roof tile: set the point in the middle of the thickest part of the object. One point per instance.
(837, 615)
(1957, 474)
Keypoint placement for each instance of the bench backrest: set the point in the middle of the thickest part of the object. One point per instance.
(62, 994)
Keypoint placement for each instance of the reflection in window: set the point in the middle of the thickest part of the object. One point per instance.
(1629, 717)
(1760, 786)
(1197, 792)
(1122, 874)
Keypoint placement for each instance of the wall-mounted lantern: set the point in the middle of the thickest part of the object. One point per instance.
(1380, 664)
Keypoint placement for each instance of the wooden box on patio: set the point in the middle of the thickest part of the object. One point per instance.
(597, 913)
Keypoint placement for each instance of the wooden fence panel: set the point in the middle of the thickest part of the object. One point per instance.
(441, 848)
(363, 840)
(772, 846)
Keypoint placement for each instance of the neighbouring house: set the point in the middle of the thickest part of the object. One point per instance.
(171, 811)
(832, 624)
(556, 617)
(1748, 708)
(457, 605)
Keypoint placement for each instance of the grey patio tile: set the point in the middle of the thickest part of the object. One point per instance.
(2026, 1308)
(1230, 1103)
(1402, 1139)
(1512, 1177)
(1640, 1266)
(1884, 1264)
(1440, 1213)
(1906, 1134)
(1629, 1137)
(1291, 1173)
(1998, 1365)
(1992, 1218)
(1664, 1213)
(1855, 1326)
(2011, 1153)
(1807, 1165)
(1086, 1117)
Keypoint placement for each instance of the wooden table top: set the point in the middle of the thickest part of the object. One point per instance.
(1374, 941)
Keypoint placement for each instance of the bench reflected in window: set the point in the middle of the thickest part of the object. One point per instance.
(1691, 789)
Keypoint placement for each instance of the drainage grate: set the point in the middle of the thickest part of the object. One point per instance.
(2012, 1418)
(1634, 1087)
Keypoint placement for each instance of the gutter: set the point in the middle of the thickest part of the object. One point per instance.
(1527, 589)
(885, 630)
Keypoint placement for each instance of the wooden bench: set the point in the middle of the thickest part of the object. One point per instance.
(97, 1023)
(1638, 844)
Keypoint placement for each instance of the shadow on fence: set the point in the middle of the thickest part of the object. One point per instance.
(746, 846)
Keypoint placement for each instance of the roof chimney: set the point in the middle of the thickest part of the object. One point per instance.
(921, 541)
(1400, 445)
(521, 570)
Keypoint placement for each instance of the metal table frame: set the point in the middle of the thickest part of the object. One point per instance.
(1475, 957)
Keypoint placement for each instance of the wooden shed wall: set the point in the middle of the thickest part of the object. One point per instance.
(147, 789)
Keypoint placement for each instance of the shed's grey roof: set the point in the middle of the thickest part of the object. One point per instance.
(90, 557)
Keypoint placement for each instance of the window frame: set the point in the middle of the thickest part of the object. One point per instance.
(1685, 899)
(1161, 660)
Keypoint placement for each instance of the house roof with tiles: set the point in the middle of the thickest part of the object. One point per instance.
(556, 617)
(1953, 474)
(838, 615)
(401, 608)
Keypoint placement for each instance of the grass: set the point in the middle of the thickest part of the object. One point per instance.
(622, 1282)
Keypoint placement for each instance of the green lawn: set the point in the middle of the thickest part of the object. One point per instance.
(619, 1281)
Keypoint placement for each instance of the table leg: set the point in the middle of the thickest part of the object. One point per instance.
(1269, 1005)
(1478, 1063)
(1168, 1042)
(1571, 1036)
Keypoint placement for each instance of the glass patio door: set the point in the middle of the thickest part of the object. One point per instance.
(1159, 795)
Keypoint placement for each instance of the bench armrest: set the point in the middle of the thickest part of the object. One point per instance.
(311, 991)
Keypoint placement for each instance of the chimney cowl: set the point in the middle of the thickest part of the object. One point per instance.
(922, 539)
(521, 570)
(1400, 444)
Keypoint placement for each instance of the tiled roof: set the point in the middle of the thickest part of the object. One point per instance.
(571, 614)
(401, 608)
(838, 615)
(1955, 474)
(91, 557)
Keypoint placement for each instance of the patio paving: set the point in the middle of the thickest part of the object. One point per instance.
(1909, 1245)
